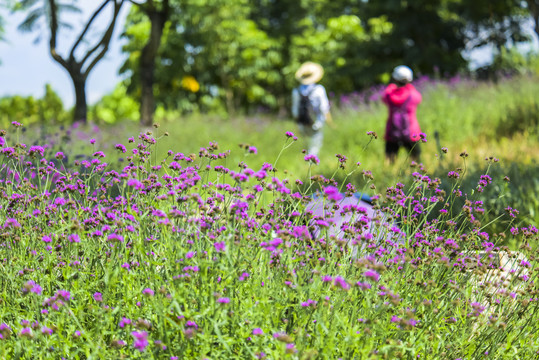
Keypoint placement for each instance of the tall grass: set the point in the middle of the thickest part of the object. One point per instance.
(181, 256)
(485, 119)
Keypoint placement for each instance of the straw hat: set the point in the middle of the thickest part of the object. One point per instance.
(309, 73)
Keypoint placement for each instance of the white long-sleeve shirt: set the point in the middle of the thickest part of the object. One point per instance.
(318, 98)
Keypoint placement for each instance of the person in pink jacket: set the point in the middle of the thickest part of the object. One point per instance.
(402, 127)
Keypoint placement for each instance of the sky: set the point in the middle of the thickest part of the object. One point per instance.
(26, 67)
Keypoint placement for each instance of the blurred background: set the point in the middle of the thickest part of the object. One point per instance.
(122, 60)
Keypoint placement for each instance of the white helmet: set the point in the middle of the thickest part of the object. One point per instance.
(402, 73)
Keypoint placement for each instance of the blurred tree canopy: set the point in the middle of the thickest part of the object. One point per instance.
(241, 55)
(29, 110)
(230, 56)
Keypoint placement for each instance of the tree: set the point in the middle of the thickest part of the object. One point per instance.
(2, 24)
(533, 7)
(211, 54)
(498, 23)
(242, 54)
(426, 35)
(281, 20)
(78, 67)
(1, 28)
(158, 12)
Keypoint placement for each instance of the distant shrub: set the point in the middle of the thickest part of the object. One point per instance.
(522, 117)
(49, 109)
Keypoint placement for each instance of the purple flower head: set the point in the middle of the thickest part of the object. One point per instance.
(312, 158)
(115, 238)
(11, 222)
(98, 297)
(124, 321)
(36, 150)
(258, 331)
(135, 184)
(341, 283)
(220, 246)
(191, 324)
(120, 147)
(291, 349)
(63, 294)
(290, 134)
(26, 332)
(31, 286)
(371, 274)
(309, 303)
(5, 330)
(243, 276)
(46, 331)
(333, 193)
(73, 238)
(148, 292)
(223, 300)
(141, 340)
(327, 278)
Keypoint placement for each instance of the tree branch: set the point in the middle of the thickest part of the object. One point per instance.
(135, 3)
(54, 33)
(104, 42)
(87, 27)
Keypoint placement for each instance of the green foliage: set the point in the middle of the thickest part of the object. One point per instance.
(47, 110)
(115, 107)
(244, 55)
(39, 13)
(509, 60)
(523, 117)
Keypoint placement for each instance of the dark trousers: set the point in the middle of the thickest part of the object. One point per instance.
(392, 149)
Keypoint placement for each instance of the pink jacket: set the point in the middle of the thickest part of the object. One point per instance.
(397, 96)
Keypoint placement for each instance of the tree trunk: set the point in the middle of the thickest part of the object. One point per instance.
(92, 56)
(147, 66)
(533, 6)
(284, 101)
(81, 108)
(536, 24)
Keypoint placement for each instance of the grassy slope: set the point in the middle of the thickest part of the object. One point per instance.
(497, 120)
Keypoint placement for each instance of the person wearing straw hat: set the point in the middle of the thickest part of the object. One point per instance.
(310, 105)
(402, 127)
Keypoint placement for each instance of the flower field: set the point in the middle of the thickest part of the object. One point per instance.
(120, 248)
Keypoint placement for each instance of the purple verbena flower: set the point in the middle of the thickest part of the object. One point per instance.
(148, 292)
(371, 274)
(141, 340)
(124, 321)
